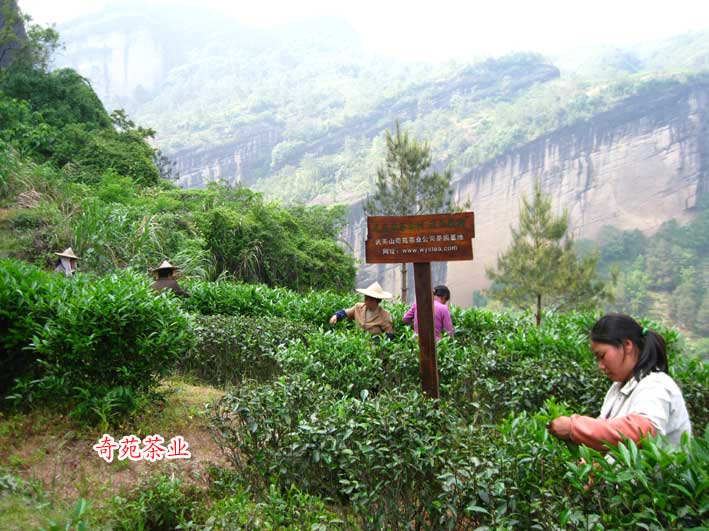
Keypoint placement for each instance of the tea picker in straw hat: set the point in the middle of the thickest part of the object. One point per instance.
(67, 262)
(165, 279)
(368, 314)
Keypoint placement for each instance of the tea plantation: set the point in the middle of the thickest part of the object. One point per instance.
(326, 428)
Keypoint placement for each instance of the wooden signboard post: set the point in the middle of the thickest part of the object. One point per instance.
(422, 240)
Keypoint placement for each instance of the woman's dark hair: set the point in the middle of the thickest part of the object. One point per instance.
(372, 298)
(614, 328)
(442, 291)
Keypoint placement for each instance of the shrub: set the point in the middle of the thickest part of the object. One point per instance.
(253, 424)
(395, 459)
(229, 349)
(347, 362)
(160, 503)
(286, 510)
(232, 298)
(27, 299)
(651, 486)
(103, 342)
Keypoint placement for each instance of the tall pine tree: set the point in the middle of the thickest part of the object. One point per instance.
(403, 186)
(542, 267)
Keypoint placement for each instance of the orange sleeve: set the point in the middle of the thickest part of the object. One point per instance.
(596, 433)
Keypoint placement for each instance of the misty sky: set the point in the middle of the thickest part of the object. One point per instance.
(452, 29)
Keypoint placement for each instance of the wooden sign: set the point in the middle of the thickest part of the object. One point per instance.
(422, 240)
(425, 238)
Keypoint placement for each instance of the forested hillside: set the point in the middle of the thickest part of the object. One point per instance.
(299, 111)
(73, 175)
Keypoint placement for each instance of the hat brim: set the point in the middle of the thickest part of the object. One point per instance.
(375, 294)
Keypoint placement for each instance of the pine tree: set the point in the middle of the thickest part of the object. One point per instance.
(542, 265)
(403, 186)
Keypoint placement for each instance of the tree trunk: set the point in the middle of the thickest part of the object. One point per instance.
(404, 285)
(539, 309)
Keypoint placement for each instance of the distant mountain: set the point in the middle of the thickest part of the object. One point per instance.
(300, 112)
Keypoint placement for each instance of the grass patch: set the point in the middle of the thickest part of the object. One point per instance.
(51, 464)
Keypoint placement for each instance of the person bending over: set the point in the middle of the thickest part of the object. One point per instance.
(441, 313)
(643, 399)
(369, 315)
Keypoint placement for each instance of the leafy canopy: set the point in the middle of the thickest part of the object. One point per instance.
(403, 188)
(542, 264)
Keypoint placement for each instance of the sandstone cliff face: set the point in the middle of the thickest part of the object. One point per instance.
(634, 167)
(236, 162)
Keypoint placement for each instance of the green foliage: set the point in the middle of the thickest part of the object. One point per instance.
(27, 296)
(61, 97)
(648, 487)
(232, 298)
(88, 345)
(254, 423)
(402, 186)
(664, 275)
(542, 265)
(400, 475)
(56, 116)
(350, 362)
(344, 424)
(160, 504)
(266, 243)
(230, 349)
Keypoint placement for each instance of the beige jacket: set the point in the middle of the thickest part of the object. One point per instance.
(377, 322)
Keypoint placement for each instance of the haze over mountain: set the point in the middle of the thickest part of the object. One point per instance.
(299, 110)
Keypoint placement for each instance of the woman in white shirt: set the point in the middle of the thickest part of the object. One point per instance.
(643, 399)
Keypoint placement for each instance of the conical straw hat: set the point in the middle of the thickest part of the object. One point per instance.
(68, 252)
(375, 291)
(165, 265)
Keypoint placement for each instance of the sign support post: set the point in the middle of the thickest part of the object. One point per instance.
(428, 365)
(422, 240)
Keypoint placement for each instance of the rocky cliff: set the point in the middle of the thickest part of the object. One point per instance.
(236, 162)
(634, 167)
(9, 13)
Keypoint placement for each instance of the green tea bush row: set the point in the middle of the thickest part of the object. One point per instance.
(232, 298)
(652, 487)
(27, 299)
(394, 459)
(163, 503)
(229, 349)
(351, 361)
(89, 344)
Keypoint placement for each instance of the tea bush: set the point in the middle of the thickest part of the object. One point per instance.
(282, 509)
(349, 361)
(253, 423)
(27, 299)
(160, 503)
(232, 298)
(229, 349)
(394, 459)
(650, 487)
(103, 343)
